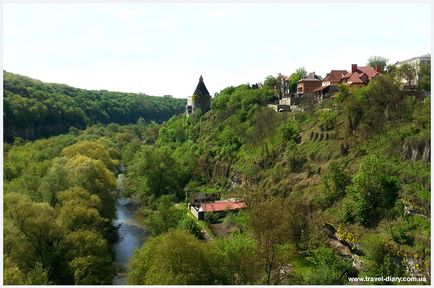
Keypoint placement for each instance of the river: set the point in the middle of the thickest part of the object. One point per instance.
(132, 234)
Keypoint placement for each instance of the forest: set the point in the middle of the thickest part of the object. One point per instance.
(339, 191)
(33, 109)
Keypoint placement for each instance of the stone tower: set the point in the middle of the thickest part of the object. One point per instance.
(200, 99)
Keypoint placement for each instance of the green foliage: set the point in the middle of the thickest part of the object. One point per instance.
(327, 119)
(240, 258)
(373, 190)
(154, 172)
(90, 261)
(335, 182)
(34, 109)
(328, 268)
(165, 217)
(425, 77)
(295, 77)
(189, 224)
(373, 61)
(66, 197)
(176, 258)
(378, 259)
(273, 222)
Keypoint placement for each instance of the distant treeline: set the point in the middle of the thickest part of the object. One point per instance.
(34, 109)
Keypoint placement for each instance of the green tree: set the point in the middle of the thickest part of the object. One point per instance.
(275, 222)
(425, 77)
(90, 259)
(176, 258)
(240, 256)
(94, 177)
(154, 173)
(54, 181)
(295, 77)
(90, 149)
(165, 217)
(373, 190)
(373, 61)
(335, 182)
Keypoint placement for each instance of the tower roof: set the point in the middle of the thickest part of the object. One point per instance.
(201, 88)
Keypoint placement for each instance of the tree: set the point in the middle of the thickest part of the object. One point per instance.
(239, 251)
(407, 74)
(373, 61)
(271, 82)
(373, 190)
(94, 177)
(90, 149)
(295, 77)
(425, 77)
(176, 258)
(89, 258)
(275, 222)
(154, 173)
(54, 181)
(165, 217)
(335, 182)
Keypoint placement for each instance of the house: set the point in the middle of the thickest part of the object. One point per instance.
(329, 84)
(415, 63)
(307, 84)
(360, 75)
(201, 99)
(220, 208)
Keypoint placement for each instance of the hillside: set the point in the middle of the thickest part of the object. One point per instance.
(33, 109)
(340, 191)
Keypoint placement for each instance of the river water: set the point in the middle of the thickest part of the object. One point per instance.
(132, 234)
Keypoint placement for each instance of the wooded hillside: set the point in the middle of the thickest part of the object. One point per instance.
(34, 109)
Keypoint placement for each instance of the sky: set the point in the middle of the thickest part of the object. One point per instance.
(162, 49)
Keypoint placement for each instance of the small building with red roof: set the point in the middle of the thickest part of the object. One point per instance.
(220, 208)
(307, 84)
(329, 83)
(360, 75)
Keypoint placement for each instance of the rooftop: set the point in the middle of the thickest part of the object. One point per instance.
(223, 206)
(201, 88)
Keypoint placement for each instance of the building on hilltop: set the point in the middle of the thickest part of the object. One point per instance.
(416, 64)
(307, 84)
(201, 99)
(329, 84)
(415, 61)
(360, 76)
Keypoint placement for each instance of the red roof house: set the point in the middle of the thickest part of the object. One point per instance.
(329, 83)
(222, 206)
(360, 75)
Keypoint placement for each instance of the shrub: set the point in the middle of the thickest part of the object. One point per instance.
(373, 190)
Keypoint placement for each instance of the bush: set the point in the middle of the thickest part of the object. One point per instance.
(335, 182)
(373, 191)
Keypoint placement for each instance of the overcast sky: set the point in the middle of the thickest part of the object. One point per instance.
(161, 49)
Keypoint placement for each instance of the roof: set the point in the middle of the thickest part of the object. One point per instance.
(354, 78)
(369, 71)
(335, 75)
(310, 77)
(201, 88)
(423, 57)
(321, 88)
(222, 206)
